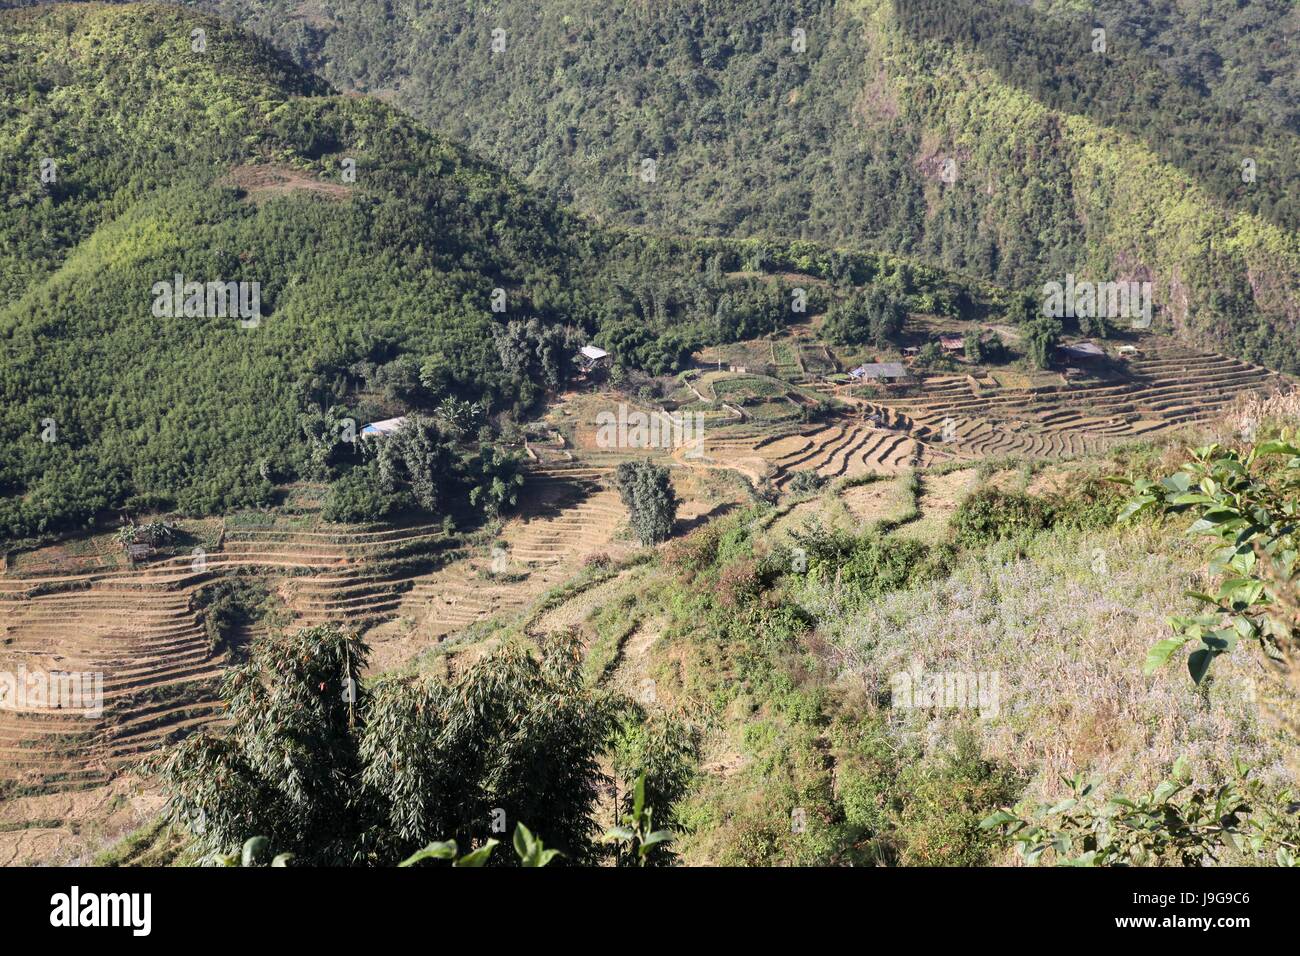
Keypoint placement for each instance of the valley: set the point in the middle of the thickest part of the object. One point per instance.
(704, 435)
(81, 605)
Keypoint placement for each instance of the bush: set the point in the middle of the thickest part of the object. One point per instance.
(647, 491)
(358, 498)
(804, 482)
(946, 802)
(993, 515)
(696, 552)
(869, 565)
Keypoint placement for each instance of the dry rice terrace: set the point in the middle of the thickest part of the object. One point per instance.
(75, 608)
(141, 626)
(970, 416)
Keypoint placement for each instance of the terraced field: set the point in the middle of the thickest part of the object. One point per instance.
(846, 447)
(141, 629)
(974, 416)
(569, 517)
(1167, 386)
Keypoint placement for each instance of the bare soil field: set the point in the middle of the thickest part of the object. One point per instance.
(263, 182)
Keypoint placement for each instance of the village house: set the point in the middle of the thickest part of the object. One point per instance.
(1083, 353)
(879, 372)
(591, 357)
(383, 428)
(138, 552)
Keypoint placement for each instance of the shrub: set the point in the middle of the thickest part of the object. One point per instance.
(696, 552)
(946, 801)
(739, 583)
(867, 565)
(806, 481)
(993, 515)
(358, 498)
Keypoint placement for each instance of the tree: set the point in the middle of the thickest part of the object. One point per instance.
(337, 772)
(331, 434)
(359, 497)
(457, 417)
(1245, 507)
(647, 492)
(531, 351)
(419, 457)
(496, 480)
(1041, 336)
(876, 316)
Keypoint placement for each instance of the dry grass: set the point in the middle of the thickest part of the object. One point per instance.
(1252, 412)
(1066, 629)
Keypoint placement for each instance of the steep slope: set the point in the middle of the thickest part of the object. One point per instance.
(223, 165)
(1242, 55)
(144, 147)
(833, 120)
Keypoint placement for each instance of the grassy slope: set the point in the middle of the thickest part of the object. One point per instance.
(789, 681)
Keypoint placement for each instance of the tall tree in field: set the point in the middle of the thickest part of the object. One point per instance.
(419, 457)
(647, 491)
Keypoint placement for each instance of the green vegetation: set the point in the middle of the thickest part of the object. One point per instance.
(225, 608)
(874, 316)
(377, 296)
(337, 772)
(1241, 822)
(437, 288)
(1247, 505)
(991, 515)
(979, 135)
(647, 491)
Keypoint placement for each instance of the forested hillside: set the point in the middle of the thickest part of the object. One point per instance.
(1062, 159)
(129, 157)
(1243, 55)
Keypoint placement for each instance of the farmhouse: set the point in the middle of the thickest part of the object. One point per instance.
(1083, 352)
(381, 429)
(952, 343)
(138, 552)
(879, 372)
(591, 357)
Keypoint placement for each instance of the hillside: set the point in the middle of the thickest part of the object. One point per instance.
(829, 443)
(375, 245)
(1127, 170)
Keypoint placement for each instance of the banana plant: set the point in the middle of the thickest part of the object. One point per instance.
(254, 851)
(529, 849)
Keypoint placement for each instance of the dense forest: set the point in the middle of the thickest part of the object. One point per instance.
(1241, 55)
(836, 121)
